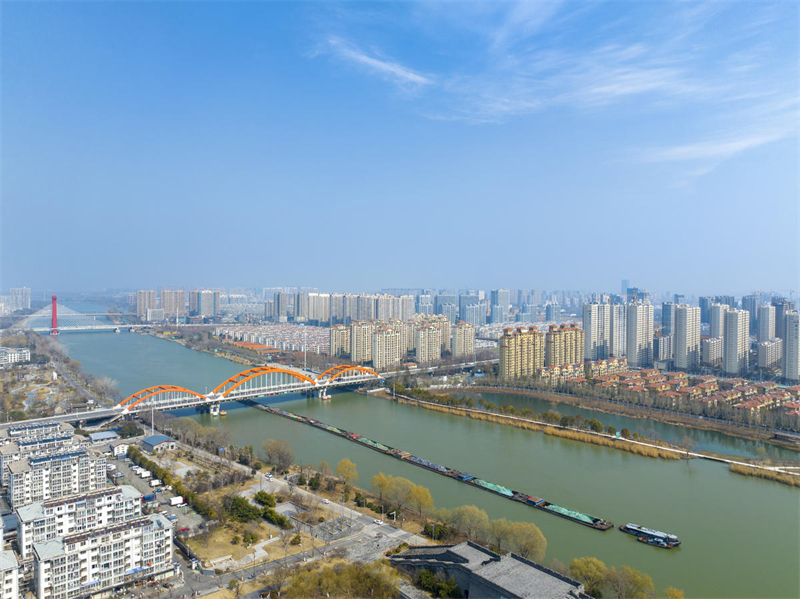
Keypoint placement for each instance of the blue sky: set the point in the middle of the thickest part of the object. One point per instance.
(354, 146)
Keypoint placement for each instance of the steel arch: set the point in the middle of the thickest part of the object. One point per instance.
(140, 396)
(348, 368)
(263, 371)
(243, 374)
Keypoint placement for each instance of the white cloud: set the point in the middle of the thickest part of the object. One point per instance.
(393, 71)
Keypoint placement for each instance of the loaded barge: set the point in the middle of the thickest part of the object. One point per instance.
(535, 502)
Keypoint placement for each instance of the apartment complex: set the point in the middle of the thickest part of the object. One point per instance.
(340, 341)
(54, 476)
(12, 355)
(522, 352)
(386, 351)
(711, 351)
(46, 520)
(604, 330)
(36, 445)
(173, 302)
(103, 558)
(428, 344)
(769, 354)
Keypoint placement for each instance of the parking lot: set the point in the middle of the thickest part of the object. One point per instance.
(186, 520)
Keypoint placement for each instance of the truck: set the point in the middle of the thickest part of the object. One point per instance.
(149, 498)
(155, 483)
(146, 474)
(176, 501)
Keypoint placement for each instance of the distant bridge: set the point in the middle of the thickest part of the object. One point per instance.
(68, 320)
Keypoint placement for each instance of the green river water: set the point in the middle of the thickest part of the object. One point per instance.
(741, 536)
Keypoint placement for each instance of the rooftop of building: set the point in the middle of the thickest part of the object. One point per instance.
(8, 560)
(153, 440)
(103, 436)
(510, 573)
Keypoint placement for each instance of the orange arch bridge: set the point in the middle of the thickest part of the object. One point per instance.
(275, 377)
(144, 394)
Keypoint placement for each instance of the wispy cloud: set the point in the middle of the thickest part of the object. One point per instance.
(392, 71)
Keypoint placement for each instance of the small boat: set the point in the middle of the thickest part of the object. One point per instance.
(656, 538)
(223, 413)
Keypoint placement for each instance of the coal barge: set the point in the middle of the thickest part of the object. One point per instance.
(469, 479)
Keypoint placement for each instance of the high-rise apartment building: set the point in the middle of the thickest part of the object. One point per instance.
(20, 298)
(145, 300)
(428, 344)
(716, 319)
(668, 318)
(365, 307)
(736, 342)
(475, 314)
(782, 307)
(463, 342)
(340, 341)
(617, 339)
(769, 354)
(407, 306)
(425, 304)
(205, 303)
(521, 352)
(552, 312)
(361, 341)
(791, 346)
(385, 348)
(597, 331)
(726, 300)
(449, 311)
(173, 302)
(766, 323)
(687, 337)
(750, 303)
(705, 308)
(564, 344)
(711, 351)
(639, 333)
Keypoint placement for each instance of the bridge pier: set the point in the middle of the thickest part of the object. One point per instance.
(214, 409)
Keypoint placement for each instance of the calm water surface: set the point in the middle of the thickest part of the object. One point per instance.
(741, 536)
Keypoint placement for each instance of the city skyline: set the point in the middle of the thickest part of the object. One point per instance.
(198, 145)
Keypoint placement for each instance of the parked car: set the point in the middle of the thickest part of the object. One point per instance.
(376, 521)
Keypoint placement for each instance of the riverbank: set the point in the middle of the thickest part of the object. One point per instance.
(630, 411)
(637, 447)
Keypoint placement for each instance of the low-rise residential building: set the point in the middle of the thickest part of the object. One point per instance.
(120, 448)
(97, 561)
(12, 355)
(46, 520)
(599, 368)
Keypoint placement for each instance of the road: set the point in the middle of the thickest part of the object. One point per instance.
(369, 544)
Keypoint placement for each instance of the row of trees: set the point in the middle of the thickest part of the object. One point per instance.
(626, 583)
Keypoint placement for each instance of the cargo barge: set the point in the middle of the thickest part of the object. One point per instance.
(466, 478)
(656, 538)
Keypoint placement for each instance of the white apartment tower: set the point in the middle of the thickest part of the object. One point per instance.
(687, 337)
(791, 346)
(50, 477)
(597, 331)
(617, 339)
(766, 323)
(736, 344)
(639, 325)
(361, 341)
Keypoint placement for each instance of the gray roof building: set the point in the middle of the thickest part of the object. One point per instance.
(485, 574)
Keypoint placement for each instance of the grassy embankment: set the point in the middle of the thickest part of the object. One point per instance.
(781, 477)
(648, 450)
(634, 411)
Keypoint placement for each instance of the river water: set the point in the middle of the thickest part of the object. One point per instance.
(741, 536)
